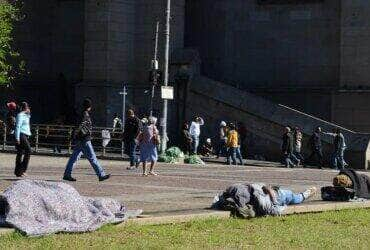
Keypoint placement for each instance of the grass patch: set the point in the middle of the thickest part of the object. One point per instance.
(336, 229)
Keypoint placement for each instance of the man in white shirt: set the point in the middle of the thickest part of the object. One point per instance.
(195, 132)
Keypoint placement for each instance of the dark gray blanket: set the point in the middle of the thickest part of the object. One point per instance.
(41, 207)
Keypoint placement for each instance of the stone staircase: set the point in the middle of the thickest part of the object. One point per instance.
(264, 121)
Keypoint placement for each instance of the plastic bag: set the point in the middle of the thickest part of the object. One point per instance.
(194, 159)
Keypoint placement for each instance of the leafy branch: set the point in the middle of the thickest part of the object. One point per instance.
(11, 64)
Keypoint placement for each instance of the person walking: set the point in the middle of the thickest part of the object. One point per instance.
(298, 145)
(340, 146)
(83, 145)
(186, 140)
(233, 145)
(222, 133)
(195, 133)
(316, 148)
(130, 133)
(22, 133)
(148, 142)
(287, 148)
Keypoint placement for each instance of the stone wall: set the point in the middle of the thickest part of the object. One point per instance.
(355, 48)
(119, 48)
(89, 48)
(264, 121)
(270, 46)
(50, 39)
(312, 56)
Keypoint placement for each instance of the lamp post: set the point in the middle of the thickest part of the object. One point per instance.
(165, 82)
(123, 93)
(154, 68)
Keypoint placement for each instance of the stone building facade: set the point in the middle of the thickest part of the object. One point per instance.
(90, 48)
(311, 55)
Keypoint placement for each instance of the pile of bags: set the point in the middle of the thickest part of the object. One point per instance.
(193, 159)
(174, 155)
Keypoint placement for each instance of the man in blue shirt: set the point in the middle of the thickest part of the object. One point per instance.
(22, 133)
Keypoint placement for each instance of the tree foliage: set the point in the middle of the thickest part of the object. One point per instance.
(11, 64)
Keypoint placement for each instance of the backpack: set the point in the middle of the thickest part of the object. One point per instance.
(10, 123)
(331, 193)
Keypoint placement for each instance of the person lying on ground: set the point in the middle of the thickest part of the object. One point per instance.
(285, 197)
(349, 178)
(258, 199)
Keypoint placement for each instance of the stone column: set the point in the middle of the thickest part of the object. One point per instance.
(118, 49)
(109, 26)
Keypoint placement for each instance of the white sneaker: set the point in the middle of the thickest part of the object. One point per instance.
(145, 174)
(153, 173)
(309, 193)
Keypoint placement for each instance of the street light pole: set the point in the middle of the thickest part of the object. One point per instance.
(156, 41)
(154, 67)
(165, 82)
(123, 93)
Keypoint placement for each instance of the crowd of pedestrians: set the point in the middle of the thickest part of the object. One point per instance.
(292, 146)
(228, 146)
(142, 135)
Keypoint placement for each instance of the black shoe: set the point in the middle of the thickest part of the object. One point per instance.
(68, 178)
(105, 177)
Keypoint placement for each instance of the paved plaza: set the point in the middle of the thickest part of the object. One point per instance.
(178, 189)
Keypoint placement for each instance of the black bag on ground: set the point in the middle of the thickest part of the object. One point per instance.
(331, 193)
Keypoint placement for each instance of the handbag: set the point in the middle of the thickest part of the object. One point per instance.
(83, 130)
(156, 138)
(331, 193)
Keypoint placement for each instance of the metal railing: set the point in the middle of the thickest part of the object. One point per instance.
(50, 138)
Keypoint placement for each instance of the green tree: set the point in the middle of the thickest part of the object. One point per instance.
(11, 64)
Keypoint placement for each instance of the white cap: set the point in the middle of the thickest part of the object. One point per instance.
(223, 124)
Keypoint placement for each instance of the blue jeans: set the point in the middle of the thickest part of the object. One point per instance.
(131, 152)
(338, 158)
(289, 160)
(239, 155)
(86, 148)
(287, 197)
(195, 144)
(233, 154)
(221, 148)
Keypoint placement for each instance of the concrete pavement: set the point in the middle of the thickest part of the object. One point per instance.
(178, 189)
